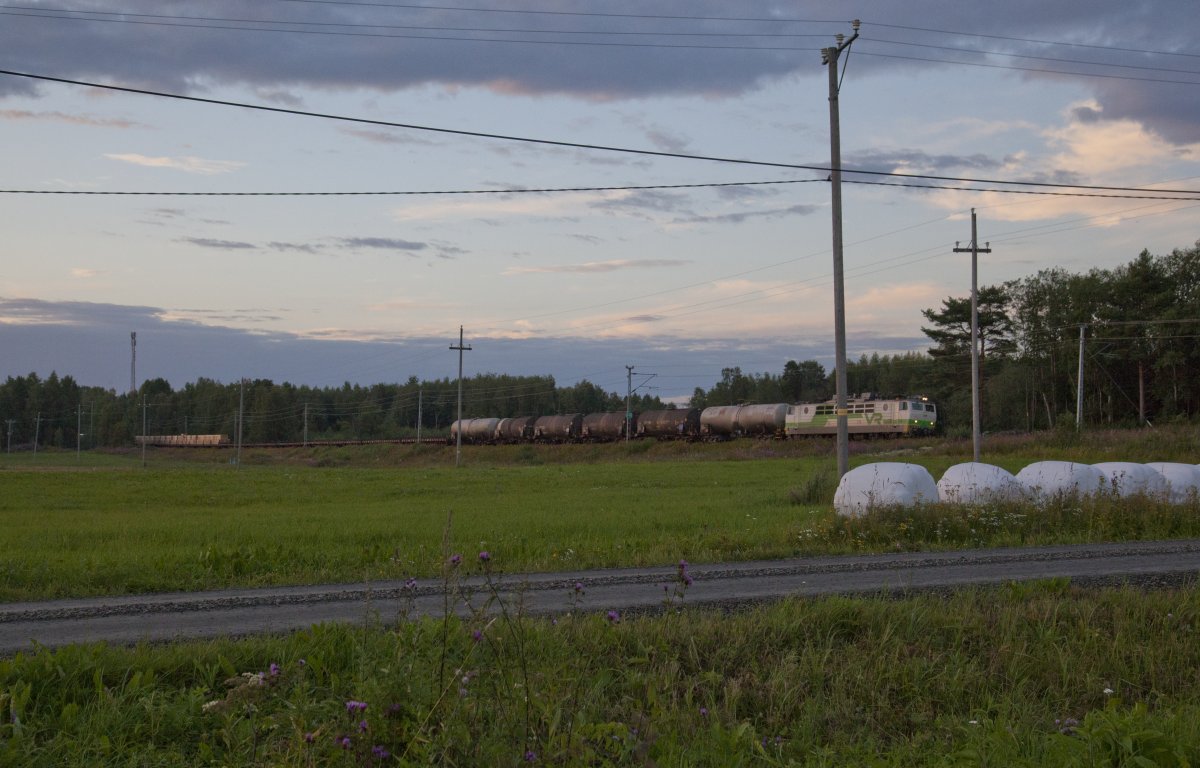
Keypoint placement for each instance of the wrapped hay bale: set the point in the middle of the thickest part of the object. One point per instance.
(882, 485)
(1043, 480)
(1183, 480)
(1126, 478)
(977, 483)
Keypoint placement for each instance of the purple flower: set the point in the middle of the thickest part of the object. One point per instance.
(579, 586)
(310, 737)
(476, 635)
(410, 584)
(274, 669)
(344, 742)
(362, 726)
(485, 556)
(614, 617)
(683, 565)
(380, 752)
(455, 559)
(687, 580)
(530, 756)
(302, 663)
(356, 706)
(703, 711)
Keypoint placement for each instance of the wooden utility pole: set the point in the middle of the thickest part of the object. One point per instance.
(1079, 387)
(974, 250)
(829, 57)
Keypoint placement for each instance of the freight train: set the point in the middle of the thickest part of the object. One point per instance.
(867, 416)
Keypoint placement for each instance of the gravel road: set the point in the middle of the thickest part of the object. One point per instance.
(239, 612)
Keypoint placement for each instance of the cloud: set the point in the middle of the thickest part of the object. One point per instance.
(222, 245)
(63, 117)
(593, 267)
(578, 52)
(741, 217)
(82, 273)
(195, 165)
(382, 243)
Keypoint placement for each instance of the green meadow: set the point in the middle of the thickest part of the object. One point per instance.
(1021, 675)
(108, 524)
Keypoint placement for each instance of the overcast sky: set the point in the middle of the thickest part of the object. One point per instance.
(676, 280)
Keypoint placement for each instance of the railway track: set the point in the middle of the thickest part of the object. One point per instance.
(240, 612)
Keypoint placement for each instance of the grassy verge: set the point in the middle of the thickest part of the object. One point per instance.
(77, 534)
(1026, 675)
(374, 512)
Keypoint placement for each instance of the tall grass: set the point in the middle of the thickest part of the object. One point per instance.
(1028, 675)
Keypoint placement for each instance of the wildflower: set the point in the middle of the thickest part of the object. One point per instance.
(455, 559)
(211, 705)
(476, 635)
(410, 584)
(687, 580)
(1066, 726)
(344, 742)
(579, 587)
(530, 756)
(356, 706)
(703, 711)
(1108, 691)
(274, 669)
(253, 678)
(310, 737)
(485, 556)
(379, 752)
(302, 663)
(362, 726)
(614, 617)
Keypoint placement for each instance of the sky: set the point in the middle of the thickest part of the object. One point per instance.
(662, 258)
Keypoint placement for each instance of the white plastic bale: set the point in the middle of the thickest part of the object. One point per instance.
(882, 485)
(1183, 480)
(1046, 479)
(1127, 478)
(978, 483)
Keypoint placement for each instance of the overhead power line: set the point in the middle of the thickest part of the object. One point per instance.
(513, 191)
(437, 38)
(130, 18)
(572, 144)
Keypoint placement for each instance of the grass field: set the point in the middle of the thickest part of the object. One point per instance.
(1022, 675)
(97, 524)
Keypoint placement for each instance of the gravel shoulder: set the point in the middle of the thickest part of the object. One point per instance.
(238, 612)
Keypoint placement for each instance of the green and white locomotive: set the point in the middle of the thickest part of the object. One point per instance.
(866, 415)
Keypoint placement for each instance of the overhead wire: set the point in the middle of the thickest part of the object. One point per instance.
(572, 144)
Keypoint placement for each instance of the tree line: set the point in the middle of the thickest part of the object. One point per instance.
(1140, 322)
(1141, 352)
(59, 412)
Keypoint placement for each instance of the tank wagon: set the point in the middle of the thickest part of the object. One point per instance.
(678, 424)
(723, 422)
(607, 427)
(183, 441)
(866, 415)
(515, 430)
(474, 430)
(558, 429)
